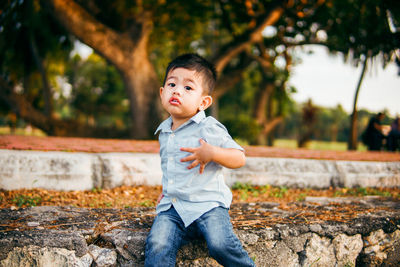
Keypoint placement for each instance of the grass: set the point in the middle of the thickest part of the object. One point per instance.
(361, 191)
(22, 131)
(317, 145)
(248, 192)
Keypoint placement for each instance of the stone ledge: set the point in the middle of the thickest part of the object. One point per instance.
(84, 171)
(67, 236)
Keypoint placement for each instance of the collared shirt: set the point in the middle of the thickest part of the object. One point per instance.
(192, 194)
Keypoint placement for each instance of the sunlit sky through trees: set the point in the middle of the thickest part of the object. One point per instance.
(328, 81)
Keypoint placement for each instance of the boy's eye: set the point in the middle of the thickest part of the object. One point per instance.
(188, 88)
(171, 84)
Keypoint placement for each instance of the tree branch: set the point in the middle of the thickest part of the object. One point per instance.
(90, 31)
(243, 41)
(270, 125)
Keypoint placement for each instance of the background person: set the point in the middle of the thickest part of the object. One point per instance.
(373, 136)
(393, 139)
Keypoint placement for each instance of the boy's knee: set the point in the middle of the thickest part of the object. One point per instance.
(156, 244)
(217, 246)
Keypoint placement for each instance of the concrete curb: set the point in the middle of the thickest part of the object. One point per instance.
(83, 171)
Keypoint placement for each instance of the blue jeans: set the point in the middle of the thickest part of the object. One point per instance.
(168, 234)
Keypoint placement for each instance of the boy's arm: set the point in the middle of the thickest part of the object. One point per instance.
(228, 157)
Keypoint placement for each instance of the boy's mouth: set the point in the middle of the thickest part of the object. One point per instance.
(174, 101)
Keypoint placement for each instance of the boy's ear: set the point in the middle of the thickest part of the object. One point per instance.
(161, 90)
(206, 102)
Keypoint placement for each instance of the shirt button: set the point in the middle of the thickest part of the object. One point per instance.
(172, 135)
(170, 181)
(171, 158)
(173, 200)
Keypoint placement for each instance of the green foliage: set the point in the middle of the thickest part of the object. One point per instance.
(29, 35)
(247, 189)
(97, 93)
(279, 192)
(242, 127)
(147, 203)
(301, 197)
(27, 201)
(361, 191)
(363, 29)
(242, 186)
(97, 190)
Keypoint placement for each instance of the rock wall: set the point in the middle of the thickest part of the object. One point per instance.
(84, 171)
(66, 236)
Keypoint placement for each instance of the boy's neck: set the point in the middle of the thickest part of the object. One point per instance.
(176, 123)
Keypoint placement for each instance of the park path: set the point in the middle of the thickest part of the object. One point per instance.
(92, 145)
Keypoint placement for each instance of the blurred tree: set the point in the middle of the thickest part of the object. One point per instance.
(362, 31)
(331, 123)
(272, 93)
(95, 95)
(24, 83)
(139, 38)
(120, 32)
(125, 41)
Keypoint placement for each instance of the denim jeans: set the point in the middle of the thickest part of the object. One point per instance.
(168, 234)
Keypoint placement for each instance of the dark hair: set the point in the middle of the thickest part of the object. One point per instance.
(198, 64)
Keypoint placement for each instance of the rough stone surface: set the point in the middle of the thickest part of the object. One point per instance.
(84, 171)
(44, 256)
(67, 236)
(103, 256)
(347, 249)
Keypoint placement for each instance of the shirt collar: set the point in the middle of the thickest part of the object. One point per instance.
(165, 126)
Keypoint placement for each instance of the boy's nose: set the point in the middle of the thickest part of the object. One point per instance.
(177, 90)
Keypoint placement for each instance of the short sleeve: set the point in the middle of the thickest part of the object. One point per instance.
(215, 133)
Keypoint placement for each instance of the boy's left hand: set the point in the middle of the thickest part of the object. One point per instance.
(200, 155)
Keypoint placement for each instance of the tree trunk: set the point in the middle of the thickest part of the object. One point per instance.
(352, 144)
(270, 116)
(128, 54)
(47, 92)
(141, 83)
(260, 110)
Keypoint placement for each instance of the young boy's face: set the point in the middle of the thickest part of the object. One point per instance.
(183, 94)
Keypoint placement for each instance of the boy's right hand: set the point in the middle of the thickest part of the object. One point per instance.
(159, 198)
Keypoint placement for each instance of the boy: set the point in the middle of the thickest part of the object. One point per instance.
(193, 148)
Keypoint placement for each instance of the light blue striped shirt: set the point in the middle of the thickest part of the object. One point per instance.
(192, 194)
